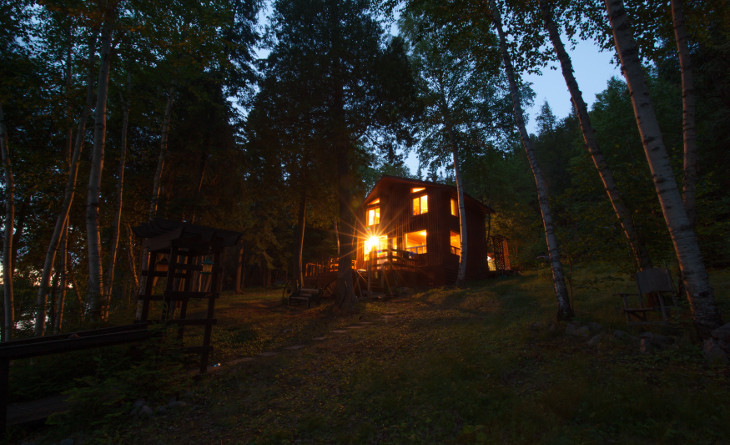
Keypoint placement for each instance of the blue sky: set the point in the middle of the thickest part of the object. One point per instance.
(593, 69)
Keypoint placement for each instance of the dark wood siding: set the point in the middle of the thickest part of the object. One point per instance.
(397, 219)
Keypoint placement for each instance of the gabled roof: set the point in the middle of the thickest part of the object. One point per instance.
(388, 179)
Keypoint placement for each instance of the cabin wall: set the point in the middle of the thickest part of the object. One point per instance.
(396, 219)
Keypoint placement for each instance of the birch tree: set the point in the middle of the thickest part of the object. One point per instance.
(565, 311)
(458, 92)
(94, 294)
(705, 313)
(638, 250)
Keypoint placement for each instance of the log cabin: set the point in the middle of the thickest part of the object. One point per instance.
(412, 227)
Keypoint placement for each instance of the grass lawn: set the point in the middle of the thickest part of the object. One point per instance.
(485, 364)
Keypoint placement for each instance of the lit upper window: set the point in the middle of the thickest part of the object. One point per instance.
(420, 204)
(373, 216)
(417, 189)
(454, 207)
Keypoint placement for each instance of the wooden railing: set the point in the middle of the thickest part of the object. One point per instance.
(404, 259)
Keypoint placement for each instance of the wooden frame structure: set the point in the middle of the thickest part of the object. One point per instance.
(188, 258)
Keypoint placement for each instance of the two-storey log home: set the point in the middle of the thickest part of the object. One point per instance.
(412, 226)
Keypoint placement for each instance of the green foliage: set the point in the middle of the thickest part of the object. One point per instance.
(100, 400)
(475, 365)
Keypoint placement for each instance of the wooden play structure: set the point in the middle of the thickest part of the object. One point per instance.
(183, 263)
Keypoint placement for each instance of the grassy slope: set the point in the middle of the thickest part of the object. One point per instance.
(480, 365)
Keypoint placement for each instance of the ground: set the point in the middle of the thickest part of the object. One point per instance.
(486, 364)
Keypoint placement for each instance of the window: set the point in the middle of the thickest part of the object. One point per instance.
(378, 244)
(454, 207)
(415, 241)
(417, 189)
(373, 216)
(420, 205)
(455, 243)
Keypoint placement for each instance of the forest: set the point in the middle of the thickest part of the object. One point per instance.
(274, 119)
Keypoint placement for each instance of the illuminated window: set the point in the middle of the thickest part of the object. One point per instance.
(378, 244)
(420, 205)
(417, 189)
(454, 207)
(415, 241)
(373, 216)
(455, 243)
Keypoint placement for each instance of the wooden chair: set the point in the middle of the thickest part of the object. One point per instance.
(656, 294)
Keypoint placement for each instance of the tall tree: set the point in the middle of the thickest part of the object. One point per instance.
(609, 184)
(565, 311)
(8, 300)
(458, 91)
(344, 80)
(93, 237)
(119, 199)
(701, 297)
(689, 184)
(62, 219)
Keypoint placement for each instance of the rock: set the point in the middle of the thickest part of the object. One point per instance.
(623, 335)
(146, 410)
(595, 327)
(595, 339)
(714, 354)
(66, 441)
(161, 410)
(722, 337)
(174, 404)
(577, 330)
(537, 326)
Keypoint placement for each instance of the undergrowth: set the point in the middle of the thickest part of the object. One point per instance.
(486, 364)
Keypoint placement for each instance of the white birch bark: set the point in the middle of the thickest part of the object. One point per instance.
(116, 222)
(93, 239)
(701, 296)
(565, 311)
(68, 196)
(641, 256)
(689, 184)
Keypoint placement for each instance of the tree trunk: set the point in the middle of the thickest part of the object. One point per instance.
(345, 292)
(63, 282)
(116, 222)
(130, 256)
(641, 256)
(94, 303)
(689, 184)
(239, 270)
(565, 311)
(701, 296)
(300, 235)
(163, 156)
(461, 275)
(68, 196)
(8, 300)
(201, 177)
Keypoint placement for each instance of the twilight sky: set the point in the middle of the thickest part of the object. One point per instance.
(593, 69)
